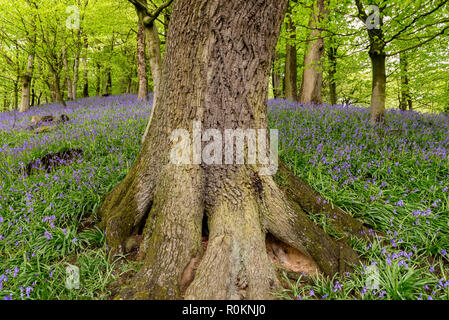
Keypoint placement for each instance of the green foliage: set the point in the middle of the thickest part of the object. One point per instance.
(105, 41)
(428, 70)
(391, 178)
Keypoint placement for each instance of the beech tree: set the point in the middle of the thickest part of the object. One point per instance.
(218, 78)
(413, 25)
(23, 40)
(148, 19)
(312, 77)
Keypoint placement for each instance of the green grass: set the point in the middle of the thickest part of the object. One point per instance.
(109, 131)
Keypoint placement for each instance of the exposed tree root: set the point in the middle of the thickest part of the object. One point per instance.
(312, 202)
(126, 207)
(287, 221)
(235, 261)
(251, 229)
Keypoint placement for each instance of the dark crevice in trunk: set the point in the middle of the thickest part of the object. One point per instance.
(205, 227)
(189, 272)
(140, 226)
(288, 258)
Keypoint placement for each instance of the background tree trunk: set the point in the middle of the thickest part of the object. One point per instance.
(98, 77)
(312, 77)
(378, 57)
(332, 56)
(86, 70)
(76, 64)
(33, 94)
(377, 108)
(218, 80)
(57, 89)
(155, 59)
(26, 84)
(291, 62)
(276, 78)
(68, 79)
(141, 64)
(406, 100)
(16, 92)
(108, 82)
(5, 101)
(129, 82)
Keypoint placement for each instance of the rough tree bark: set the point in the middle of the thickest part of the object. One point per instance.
(312, 76)
(218, 78)
(141, 63)
(291, 61)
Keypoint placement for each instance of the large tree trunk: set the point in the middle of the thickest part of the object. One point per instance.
(141, 64)
(312, 77)
(406, 100)
(26, 84)
(219, 81)
(291, 63)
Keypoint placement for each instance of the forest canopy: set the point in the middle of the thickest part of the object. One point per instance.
(90, 45)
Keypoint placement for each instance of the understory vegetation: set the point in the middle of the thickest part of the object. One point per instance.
(392, 177)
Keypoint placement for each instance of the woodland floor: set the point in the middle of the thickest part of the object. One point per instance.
(393, 178)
